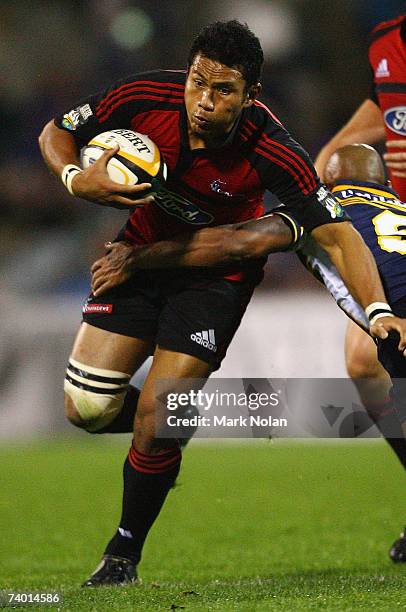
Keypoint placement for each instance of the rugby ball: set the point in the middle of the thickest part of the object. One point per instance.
(138, 161)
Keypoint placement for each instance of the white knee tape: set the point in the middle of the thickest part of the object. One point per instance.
(97, 394)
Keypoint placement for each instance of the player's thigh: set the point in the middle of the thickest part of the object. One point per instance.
(202, 319)
(104, 349)
(369, 376)
(170, 372)
(361, 354)
(119, 333)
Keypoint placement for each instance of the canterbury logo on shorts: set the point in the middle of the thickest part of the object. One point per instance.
(98, 308)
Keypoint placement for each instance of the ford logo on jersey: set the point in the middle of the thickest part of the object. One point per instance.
(395, 119)
(175, 205)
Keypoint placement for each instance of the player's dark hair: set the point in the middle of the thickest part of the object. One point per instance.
(233, 44)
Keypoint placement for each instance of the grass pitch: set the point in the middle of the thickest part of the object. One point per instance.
(264, 526)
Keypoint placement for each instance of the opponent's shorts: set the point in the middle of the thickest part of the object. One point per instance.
(190, 314)
(393, 361)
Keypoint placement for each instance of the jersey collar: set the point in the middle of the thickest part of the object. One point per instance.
(350, 183)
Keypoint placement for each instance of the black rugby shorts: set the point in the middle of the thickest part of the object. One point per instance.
(186, 313)
(394, 362)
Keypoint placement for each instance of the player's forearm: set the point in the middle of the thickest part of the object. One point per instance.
(353, 260)
(58, 148)
(206, 248)
(365, 126)
(362, 279)
(217, 246)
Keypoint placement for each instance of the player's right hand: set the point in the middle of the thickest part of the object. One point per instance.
(115, 268)
(94, 184)
(384, 325)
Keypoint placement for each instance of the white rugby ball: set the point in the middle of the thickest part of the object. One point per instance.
(138, 161)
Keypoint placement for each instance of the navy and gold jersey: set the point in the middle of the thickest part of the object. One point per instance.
(380, 218)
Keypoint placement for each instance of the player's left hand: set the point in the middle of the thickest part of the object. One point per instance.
(384, 325)
(114, 269)
(395, 158)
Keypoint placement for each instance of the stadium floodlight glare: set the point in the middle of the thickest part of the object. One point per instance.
(132, 28)
(275, 23)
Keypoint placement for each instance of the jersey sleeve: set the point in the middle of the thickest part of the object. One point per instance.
(317, 261)
(288, 172)
(115, 107)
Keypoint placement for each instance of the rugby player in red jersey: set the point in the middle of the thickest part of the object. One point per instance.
(380, 117)
(223, 149)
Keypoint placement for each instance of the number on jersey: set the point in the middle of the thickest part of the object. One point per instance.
(391, 231)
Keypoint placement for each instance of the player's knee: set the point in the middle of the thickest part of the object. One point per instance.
(93, 396)
(71, 413)
(147, 424)
(360, 365)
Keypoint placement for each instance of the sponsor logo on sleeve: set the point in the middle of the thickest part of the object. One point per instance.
(329, 202)
(395, 119)
(77, 116)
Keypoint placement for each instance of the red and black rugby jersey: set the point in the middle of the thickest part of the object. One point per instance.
(387, 57)
(205, 186)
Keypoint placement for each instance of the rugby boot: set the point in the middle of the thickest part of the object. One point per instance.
(398, 549)
(113, 571)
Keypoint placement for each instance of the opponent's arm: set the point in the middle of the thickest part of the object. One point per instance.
(395, 157)
(59, 150)
(217, 246)
(366, 125)
(357, 267)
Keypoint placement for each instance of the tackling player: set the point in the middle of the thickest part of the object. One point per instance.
(223, 148)
(381, 116)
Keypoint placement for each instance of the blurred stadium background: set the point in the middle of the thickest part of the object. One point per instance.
(54, 52)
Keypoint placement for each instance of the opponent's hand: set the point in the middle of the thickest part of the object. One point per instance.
(396, 159)
(114, 268)
(384, 325)
(94, 184)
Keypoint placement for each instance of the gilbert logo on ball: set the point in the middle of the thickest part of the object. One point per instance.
(138, 161)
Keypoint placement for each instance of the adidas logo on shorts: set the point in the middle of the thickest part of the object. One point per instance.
(206, 339)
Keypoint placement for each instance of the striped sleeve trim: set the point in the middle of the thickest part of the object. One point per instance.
(284, 157)
(148, 90)
(297, 230)
(385, 27)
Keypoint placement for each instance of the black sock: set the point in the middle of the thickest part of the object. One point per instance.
(147, 481)
(387, 421)
(124, 421)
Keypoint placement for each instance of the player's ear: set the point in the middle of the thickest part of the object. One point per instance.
(252, 94)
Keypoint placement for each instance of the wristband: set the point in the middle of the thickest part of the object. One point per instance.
(377, 310)
(69, 171)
